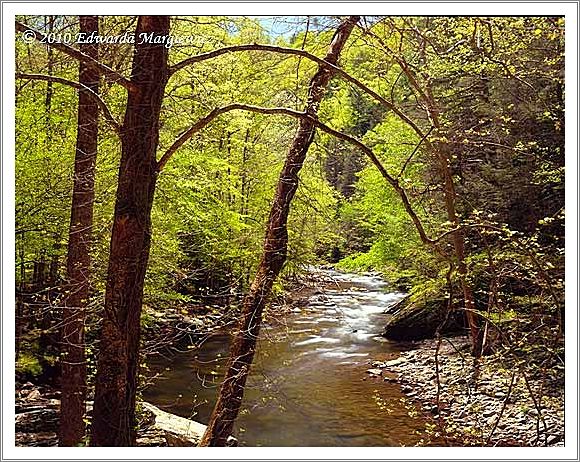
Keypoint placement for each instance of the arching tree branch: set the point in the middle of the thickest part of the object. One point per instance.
(50, 78)
(305, 54)
(325, 128)
(203, 122)
(105, 70)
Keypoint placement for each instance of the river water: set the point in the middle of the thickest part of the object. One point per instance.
(308, 385)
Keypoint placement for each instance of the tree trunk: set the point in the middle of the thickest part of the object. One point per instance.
(116, 382)
(73, 363)
(458, 241)
(275, 248)
(441, 152)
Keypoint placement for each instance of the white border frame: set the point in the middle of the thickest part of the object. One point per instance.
(569, 9)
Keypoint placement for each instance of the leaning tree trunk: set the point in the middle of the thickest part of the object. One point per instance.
(116, 382)
(73, 362)
(275, 248)
(458, 241)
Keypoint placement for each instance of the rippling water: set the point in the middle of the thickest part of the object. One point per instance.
(308, 385)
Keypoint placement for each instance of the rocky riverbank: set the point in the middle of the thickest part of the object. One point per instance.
(476, 404)
(172, 330)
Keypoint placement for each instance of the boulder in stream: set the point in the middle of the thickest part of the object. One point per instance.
(417, 321)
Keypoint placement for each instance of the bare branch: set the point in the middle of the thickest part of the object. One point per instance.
(109, 73)
(49, 78)
(414, 152)
(507, 70)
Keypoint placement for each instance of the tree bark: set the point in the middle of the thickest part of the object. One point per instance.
(73, 362)
(116, 382)
(458, 241)
(274, 255)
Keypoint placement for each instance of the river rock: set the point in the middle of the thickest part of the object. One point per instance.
(552, 439)
(416, 321)
(395, 307)
(491, 421)
(374, 371)
(394, 362)
(34, 420)
(33, 395)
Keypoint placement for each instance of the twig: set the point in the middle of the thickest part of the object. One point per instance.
(509, 392)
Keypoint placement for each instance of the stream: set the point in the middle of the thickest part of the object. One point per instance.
(308, 385)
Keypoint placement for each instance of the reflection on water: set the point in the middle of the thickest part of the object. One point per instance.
(306, 387)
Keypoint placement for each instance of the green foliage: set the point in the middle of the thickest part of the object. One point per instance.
(375, 210)
(495, 86)
(213, 197)
(44, 143)
(28, 364)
